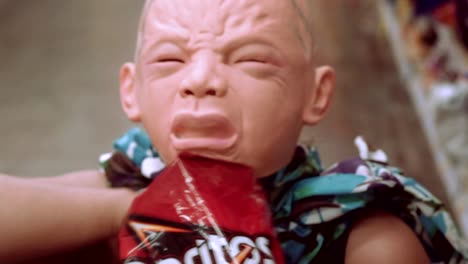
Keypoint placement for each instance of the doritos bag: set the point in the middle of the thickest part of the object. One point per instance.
(203, 211)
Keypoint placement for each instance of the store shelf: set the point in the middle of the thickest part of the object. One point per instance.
(414, 83)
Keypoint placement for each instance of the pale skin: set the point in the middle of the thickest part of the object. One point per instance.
(46, 216)
(214, 77)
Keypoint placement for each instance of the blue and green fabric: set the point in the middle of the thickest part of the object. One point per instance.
(314, 209)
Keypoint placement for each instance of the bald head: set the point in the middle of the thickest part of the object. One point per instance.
(226, 64)
(301, 10)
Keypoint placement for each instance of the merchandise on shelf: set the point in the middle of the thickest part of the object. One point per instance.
(438, 56)
(434, 42)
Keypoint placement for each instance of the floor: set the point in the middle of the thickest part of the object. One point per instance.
(59, 102)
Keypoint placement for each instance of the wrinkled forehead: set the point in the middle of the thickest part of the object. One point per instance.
(211, 12)
(217, 16)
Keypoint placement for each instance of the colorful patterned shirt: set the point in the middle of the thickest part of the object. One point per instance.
(314, 209)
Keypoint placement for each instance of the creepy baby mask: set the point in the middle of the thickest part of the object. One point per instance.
(231, 80)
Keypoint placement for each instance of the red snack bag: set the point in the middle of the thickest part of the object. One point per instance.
(203, 211)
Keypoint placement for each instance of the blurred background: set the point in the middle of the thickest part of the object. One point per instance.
(401, 68)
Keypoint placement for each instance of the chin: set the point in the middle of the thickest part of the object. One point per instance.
(216, 155)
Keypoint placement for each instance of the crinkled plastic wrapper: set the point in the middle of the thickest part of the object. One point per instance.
(200, 210)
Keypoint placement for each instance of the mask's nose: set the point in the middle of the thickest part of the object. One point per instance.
(204, 78)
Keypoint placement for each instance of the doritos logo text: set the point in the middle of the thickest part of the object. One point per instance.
(173, 243)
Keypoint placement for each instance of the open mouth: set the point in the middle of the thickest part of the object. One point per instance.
(210, 131)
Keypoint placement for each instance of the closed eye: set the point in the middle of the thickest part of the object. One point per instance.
(254, 60)
(166, 60)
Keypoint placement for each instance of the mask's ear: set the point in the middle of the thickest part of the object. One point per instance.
(321, 95)
(128, 92)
